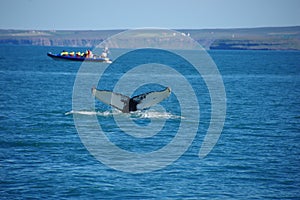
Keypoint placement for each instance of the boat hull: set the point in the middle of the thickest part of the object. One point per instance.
(77, 58)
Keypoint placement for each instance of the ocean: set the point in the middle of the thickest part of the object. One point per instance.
(43, 154)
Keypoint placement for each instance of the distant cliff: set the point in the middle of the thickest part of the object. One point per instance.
(44, 41)
(54, 38)
(272, 38)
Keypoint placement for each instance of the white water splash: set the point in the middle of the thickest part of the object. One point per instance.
(144, 114)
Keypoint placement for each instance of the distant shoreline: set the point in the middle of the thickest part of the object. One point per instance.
(265, 38)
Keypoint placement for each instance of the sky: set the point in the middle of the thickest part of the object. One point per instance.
(131, 14)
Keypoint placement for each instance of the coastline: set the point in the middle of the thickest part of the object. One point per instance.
(265, 38)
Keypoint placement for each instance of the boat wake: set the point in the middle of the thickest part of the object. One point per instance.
(144, 114)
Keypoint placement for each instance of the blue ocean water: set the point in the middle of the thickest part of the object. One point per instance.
(256, 157)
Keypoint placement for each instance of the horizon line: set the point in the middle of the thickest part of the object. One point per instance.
(122, 29)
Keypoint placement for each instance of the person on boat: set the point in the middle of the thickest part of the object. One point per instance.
(89, 54)
(104, 53)
(72, 53)
(64, 53)
(78, 54)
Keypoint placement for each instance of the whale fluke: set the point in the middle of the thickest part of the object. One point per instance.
(127, 104)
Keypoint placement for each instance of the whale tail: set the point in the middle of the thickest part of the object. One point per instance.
(127, 104)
